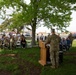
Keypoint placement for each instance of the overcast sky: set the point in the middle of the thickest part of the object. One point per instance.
(72, 26)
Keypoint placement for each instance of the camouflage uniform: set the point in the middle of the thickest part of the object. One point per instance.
(54, 41)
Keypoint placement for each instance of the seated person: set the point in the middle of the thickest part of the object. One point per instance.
(23, 42)
(64, 43)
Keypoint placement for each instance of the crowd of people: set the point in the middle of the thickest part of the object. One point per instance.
(12, 41)
(66, 43)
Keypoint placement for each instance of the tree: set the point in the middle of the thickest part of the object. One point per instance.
(4, 25)
(51, 12)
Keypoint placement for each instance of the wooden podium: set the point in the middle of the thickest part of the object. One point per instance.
(45, 55)
(42, 60)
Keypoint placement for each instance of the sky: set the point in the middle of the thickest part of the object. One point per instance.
(71, 28)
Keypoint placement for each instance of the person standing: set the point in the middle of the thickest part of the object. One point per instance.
(68, 43)
(54, 41)
(37, 38)
(42, 37)
(71, 38)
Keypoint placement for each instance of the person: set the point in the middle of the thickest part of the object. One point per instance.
(23, 41)
(60, 53)
(42, 37)
(54, 41)
(68, 43)
(37, 38)
(71, 38)
(64, 44)
(11, 42)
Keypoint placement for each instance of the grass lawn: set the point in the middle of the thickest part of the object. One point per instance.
(25, 62)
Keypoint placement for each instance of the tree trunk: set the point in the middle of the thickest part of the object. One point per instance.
(34, 20)
(33, 31)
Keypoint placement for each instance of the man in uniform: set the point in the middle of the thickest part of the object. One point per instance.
(54, 41)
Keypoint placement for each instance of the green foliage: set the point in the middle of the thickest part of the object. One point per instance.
(52, 12)
(74, 43)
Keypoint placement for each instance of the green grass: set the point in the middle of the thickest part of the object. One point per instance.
(25, 62)
(74, 43)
